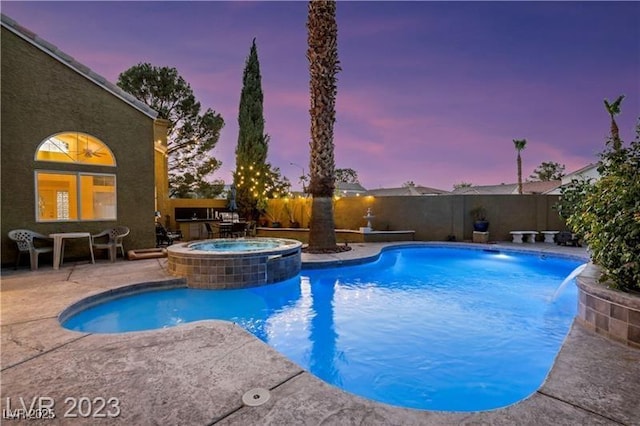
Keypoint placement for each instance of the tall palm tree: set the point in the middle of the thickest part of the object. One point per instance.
(614, 109)
(323, 67)
(519, 144)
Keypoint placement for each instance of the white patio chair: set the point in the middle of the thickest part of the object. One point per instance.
(24, 239)
(114, 241)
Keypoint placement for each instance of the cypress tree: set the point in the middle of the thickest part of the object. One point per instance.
(253, 143)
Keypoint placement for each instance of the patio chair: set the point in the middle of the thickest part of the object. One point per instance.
(239, 229)
(251, 230)
(210, 233)
(225, 229)
(164, 237)
(25, 240)
(114, 237)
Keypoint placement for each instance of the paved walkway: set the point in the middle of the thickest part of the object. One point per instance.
(196, 374)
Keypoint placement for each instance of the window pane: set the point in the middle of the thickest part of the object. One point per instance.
(57, 195)
(74, 147)
(98, 197)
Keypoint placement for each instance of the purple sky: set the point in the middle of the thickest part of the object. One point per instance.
(432, 92)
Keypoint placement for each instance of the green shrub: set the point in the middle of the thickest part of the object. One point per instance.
(607, 215)
(572, 197)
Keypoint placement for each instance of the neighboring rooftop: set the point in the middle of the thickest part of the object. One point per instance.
(406, 190)
(347, 189)
(538, 187)
(72, 63)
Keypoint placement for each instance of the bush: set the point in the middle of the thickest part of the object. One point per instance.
(608, 217)
(572, 197)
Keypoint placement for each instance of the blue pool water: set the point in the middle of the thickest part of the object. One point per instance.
(240, 245)
(427, 328)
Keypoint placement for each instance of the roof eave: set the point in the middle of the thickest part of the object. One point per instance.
(76, 66)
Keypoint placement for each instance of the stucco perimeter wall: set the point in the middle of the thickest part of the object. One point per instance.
(40, 97)
(433, 218)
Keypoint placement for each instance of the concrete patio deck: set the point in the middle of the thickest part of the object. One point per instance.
(196, 374)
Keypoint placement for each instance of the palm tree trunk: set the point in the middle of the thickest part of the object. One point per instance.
(519, 160)
(519, 144)
(323, 67)
(615, 135)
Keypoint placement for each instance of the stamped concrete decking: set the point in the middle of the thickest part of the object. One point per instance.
(196, 374)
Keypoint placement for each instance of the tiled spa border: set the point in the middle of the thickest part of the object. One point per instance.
(611, 313)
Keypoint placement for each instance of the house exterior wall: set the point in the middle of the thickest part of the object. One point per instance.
(586, 173)
(41, 96)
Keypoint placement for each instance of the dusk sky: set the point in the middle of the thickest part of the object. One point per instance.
(431, 92)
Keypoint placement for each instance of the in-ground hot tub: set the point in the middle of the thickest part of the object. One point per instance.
(235, 263)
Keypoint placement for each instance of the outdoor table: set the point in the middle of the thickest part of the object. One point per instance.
(58, 242)
(224, 229)
(239, 229)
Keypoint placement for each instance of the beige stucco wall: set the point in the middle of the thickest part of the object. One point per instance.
(161, 165)
(433, 218)
(40, 97)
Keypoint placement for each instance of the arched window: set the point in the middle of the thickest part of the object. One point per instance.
(64, 195)
(75, 147)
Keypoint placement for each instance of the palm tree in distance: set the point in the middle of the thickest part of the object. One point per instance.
(519, 144)
(614, 109)
(322, 54)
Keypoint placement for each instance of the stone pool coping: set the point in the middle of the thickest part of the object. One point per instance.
(198, 372)
(345, 259)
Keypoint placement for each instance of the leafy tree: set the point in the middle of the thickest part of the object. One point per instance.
(608, 216)
(322, 54)
(346, 176)
(572, 197)
(519, 145)
(189, 186)
(547, 171)
(191, 136)
(277, 185)
(614, 109)
(252, 170)
(462, 185)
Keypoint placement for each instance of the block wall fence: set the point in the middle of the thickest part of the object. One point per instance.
(433, 218)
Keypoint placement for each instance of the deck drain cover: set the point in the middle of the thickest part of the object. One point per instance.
(255, 397)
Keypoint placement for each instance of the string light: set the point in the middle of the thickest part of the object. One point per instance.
(258, 182)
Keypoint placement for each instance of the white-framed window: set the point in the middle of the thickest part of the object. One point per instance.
(75, 147)
(75, 196)
(63, 196)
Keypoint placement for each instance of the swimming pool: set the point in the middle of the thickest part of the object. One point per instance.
(427, 328)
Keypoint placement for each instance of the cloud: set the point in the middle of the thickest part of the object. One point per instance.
(432, 92)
